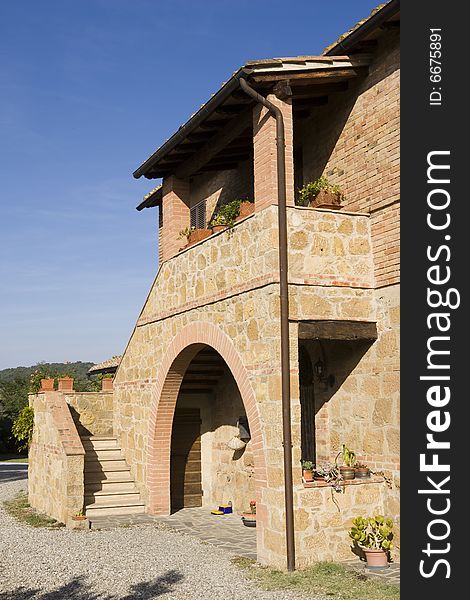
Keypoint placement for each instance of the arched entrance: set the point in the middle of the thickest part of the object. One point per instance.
(177, 377)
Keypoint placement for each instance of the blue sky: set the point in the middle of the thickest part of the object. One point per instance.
(88, 90)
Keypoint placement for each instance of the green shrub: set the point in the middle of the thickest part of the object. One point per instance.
(227, 214)
(22, 428)
(311, 189)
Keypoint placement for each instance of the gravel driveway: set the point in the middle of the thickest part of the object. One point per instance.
(141, 561)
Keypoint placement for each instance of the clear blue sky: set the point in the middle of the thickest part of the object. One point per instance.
(88, 90)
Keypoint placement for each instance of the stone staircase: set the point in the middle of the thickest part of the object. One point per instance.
(110, 489)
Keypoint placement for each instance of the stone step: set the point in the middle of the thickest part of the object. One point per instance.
(113, 509)
(121, 485)
(105, 466)
(113, 497)
(99, 444)
(96, 477)
(105, 454)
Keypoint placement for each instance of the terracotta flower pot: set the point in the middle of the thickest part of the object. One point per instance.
(347, 473)
(65, 384)
(376, 559)
(198, 235)
(217, 228)
(246, 209)
(308, 474)
(79, 518)
(362, 472)
(47, 385)
(326, 199)
(107, 384)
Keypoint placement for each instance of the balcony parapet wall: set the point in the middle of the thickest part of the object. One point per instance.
(327, 249)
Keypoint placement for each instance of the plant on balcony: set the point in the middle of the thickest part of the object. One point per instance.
(320, 193)
(194, 235)
(226, 215)
(374, 536)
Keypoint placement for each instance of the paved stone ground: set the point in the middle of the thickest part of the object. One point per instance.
(391, 574)
(223, 531)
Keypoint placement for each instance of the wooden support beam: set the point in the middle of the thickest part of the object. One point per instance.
(215, 145)
(307, 77)
(337, 330)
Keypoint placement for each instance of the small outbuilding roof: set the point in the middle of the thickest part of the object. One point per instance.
(107, 366)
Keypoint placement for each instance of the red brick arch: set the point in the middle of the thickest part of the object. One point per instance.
(184, 347)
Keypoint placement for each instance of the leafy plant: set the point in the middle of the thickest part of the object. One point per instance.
(35, 379)
(186, 232)
(22, 428)
(308, 192)
(307, 465)
(227, 214)
(349, 457)
(372, 532)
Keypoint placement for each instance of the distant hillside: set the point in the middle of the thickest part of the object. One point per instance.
(14, 388)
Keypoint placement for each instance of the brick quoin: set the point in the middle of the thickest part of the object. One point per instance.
(184, 347)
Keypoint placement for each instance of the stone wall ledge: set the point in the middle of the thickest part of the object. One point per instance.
(324, 484)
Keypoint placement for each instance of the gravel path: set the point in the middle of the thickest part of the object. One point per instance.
(138, 562)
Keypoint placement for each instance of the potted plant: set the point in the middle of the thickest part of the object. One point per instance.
(65, 383)
(247, 207)
(349, 460)
(47, 384)
(194, 235)
(249, 518)
(307, 470)
(79, 516)
(361, 471)
(320, 193)
(107, 382)
(329, 473)
(218, 223)
(374, 536)
(226, 216)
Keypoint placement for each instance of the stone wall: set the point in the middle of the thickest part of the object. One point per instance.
(228, 284)
(56, 459)
(92, 412)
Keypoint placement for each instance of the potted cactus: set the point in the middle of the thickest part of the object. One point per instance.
(374, 536)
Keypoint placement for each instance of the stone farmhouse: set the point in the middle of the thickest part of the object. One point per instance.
(204, 363)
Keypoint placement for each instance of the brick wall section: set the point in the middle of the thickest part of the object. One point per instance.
(386, 244)
(223, 186)
(175, 216)
(265, 157)
(56, 459)
(354, 141)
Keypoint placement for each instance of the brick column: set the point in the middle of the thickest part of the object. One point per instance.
(175, 208)
(265, 158)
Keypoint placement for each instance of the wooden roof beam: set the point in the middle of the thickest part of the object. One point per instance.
(215, 145)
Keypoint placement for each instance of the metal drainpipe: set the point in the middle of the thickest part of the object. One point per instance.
(284, 296)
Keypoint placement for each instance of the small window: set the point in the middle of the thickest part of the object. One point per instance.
(198, 215)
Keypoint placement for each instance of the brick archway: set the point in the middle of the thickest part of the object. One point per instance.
(179, 354)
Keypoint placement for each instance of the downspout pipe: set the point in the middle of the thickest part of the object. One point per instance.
(284, 297)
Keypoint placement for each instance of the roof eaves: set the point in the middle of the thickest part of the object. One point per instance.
(153, 198)
(378, 16)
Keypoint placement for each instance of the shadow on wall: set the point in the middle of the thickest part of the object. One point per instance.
(78, 589)
(82, 430)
